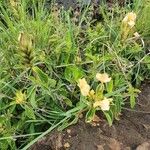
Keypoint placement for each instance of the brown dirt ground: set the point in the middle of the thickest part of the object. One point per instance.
(131, 132)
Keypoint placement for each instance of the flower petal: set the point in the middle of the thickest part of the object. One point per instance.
(84, 87)
(103, 104)
(104, 78)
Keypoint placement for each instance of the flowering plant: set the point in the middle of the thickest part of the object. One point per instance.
(96, 99)
(128, 24)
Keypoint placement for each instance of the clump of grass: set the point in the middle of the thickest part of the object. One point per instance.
(47, 59)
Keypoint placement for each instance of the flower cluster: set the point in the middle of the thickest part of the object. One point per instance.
(102, 103)
(130, 19)
(128, 23)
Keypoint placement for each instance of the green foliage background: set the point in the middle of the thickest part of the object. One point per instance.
(62, 52)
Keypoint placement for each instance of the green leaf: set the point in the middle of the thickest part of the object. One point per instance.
(32, 96)
(147, 61)
(99, 91)
(2, 119)
(68, 102)
(73, 73)
(133, 93)
(117, 107)
(43, 78)
(90, 114)
(29, 112)
(41, 75)
(51, 82)
(109, 119)
(132, 101)
(4, 145)
(110, 86)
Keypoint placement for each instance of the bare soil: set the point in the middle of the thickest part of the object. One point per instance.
(131, 132)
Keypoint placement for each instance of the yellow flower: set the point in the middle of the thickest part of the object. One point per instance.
(20, 97)
(84, 87)
(130, 19)
(103, 104)
(104, 78)
(92, 94)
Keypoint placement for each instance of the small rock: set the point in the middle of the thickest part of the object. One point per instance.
(114, 144)
(144, 146)
(81, 116)
(96, 119)
(93, 124)
(68, 131)
(100, 147)
(59, 141)
(127, 148)
(66, 145)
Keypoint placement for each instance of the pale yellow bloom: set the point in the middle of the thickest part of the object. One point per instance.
(20, 97)
(130, 19)
(104, 78)
(84, 87)
(103, 104)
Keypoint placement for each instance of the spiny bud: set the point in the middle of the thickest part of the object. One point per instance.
(25, 41)
(26, 48)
